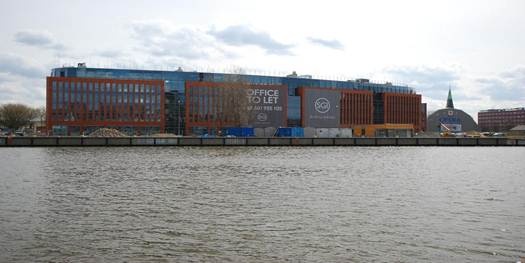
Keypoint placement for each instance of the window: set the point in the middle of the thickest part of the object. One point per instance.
(54, 95)
(147, 91)
(131, 93)
(125, 95)
(101, 93)
(84, 93)
(66, 92)
(96, 95)
(88, 95)
(135, 94)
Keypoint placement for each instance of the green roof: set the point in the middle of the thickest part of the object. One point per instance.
(450, 103)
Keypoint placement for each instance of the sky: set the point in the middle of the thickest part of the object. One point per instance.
(476, 48)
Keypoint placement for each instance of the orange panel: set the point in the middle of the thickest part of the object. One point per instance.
(402, 108)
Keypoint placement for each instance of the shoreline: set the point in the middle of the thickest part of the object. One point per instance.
(74, 141)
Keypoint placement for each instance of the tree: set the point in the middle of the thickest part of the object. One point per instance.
(15, 116)
(237, 108)
(39, 118)
(40, 113)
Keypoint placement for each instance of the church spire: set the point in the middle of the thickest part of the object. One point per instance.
(450, 103)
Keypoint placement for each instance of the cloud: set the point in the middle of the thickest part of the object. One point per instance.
(470, 93)
(240, 35)
(23, 90)
(159, 39)
(432, 82)
(109, 53)
(508, 85)
(20, 81)
(15, 65)
(334, 43)
(41, 39)
(148, 29)
(4, 77)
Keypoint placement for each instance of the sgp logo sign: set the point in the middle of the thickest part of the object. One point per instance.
(322, 105)
(261, 116)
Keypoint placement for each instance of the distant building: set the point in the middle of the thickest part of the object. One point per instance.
(498, 120)
(423, 117)
(450, 119)
(517, 131)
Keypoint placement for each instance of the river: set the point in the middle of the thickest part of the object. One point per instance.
(262, 204)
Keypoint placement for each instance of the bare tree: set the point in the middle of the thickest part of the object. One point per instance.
(40, 113)
(15, 116)
(237, 108)
(39, 118)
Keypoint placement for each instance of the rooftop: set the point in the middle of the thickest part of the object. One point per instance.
(503, 110)
(518, 128)
(173, 75)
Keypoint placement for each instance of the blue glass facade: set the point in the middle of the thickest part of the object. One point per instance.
(175, 79)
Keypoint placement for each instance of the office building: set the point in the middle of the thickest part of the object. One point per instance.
(500, 120)
(198, 103)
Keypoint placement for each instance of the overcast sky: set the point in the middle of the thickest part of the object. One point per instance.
(475, 47)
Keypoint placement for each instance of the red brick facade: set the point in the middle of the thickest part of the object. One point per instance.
(82, 103)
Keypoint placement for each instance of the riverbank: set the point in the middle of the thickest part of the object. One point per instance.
(251, 141)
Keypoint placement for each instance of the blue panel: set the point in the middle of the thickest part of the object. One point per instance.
(240, 132)
(294, 107)
(290, 132)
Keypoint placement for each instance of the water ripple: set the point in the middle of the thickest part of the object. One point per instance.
(260, 204)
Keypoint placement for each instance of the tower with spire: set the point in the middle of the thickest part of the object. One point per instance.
(450, 103)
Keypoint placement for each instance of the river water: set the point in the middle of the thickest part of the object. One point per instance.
(265, 204)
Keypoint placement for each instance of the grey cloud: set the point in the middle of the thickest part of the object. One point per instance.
(240, 35)
(23, 90)
(516, 73)
(334, 43)
(184, 43)
(434, 83)
(10, 93)
(147, 29)
(15, 65)
(110, 53)
(509, 85)
(431, 82)
(3, 77)
(38, 39)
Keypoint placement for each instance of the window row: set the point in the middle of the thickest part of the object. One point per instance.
(94, 94)
(136, 114)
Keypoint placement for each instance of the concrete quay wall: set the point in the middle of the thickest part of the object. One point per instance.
(251, 141)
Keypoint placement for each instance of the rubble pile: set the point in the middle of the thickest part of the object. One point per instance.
(106, 132)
